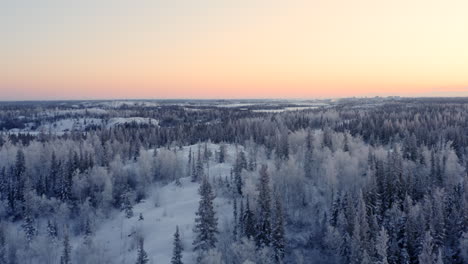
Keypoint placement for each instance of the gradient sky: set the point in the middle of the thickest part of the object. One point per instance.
(93, 49)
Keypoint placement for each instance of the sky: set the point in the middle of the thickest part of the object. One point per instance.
(115, 49)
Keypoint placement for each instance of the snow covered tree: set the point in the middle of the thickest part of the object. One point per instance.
(222, 153)
(206, 222)
(277, 239)
(29, 226)
(249, 221)
(178, 248)
(263, 237)
(427, 247)
(66, 251)
(142, 256)
(308, 156)
(235, 227)
(381, 247)
(52, 231)
(126, 205)
(3, 251)
(198, 170)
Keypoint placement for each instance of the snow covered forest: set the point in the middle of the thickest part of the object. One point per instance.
(378, 180)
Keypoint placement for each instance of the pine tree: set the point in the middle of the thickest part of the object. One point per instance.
(88, 232)
(238, 180)
(240, 221)
(189, 163)
(3, 259)
(426, 256)
(66, 253)
(126, 205)
(235, 219)
(29, 226)
(381, 247)
(249, 221)
(278, 239)
(52, 229)
(263, 237)
(222, 153)
(308, 156)
(206, 223)
(178, 248)
(142, 256)
(198, 172)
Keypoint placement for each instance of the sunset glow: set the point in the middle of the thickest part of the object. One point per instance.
(232, 49)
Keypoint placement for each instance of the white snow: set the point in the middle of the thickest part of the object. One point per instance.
(176, 206)
(127, 120)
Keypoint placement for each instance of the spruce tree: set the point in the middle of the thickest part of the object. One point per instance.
(278, 239)
(66, 253)
(178, 248)
(308, 156)
(427, 247)
(222, 153)
(142, 256)
(126, 204)
(381, 247)
(206, 222)
(52, 229)
(263, 237)
(235, 228)
(3, 259)
(29, 226)
(249, 221)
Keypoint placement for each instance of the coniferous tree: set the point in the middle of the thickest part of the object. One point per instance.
(249, 221)
(206, 222)
(88, 233)
(189, 163)
(222, 153)
(308, 156)
(29, 226)
(142, 256)
(66, 251)
(381, 247)
(3, 259)
(52, 229)
(235, 228)
(263, 237)
(178, 248)
(278, 240)
(126, 205)
(427, 247)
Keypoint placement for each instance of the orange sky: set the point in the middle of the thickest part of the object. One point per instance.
(232, 49)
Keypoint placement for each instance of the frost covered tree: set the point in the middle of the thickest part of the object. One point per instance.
(248, 221)
(126, 205)
(381, 247)
(263, 236)
(427, 248)
(142, 256)
(206, 222)
(235, 227)
(222, 153)
(66, 251)
(3, 248)
(177, 249)
(278, 240)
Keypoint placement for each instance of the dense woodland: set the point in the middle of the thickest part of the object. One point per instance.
(356, 181)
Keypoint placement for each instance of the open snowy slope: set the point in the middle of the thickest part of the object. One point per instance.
(167, 207)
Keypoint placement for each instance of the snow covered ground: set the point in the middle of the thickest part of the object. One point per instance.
(167, 207)
(128, 120)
